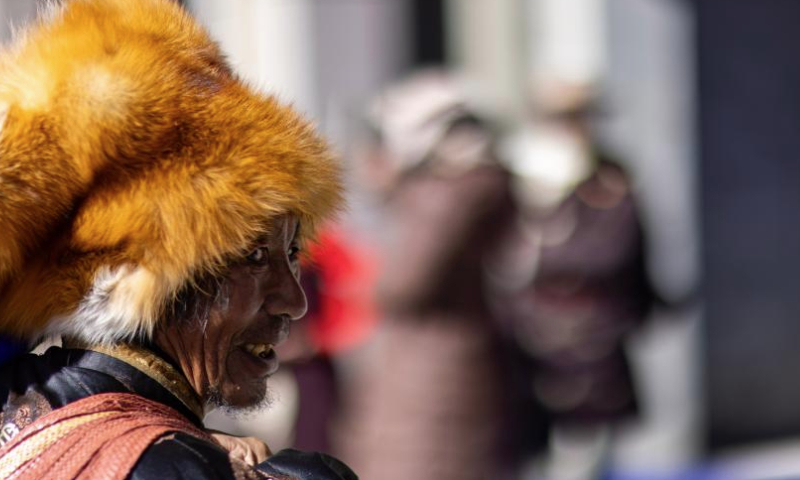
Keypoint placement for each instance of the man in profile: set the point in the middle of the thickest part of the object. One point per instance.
(154, 210)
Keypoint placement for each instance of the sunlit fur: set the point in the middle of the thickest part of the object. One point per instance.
(132, 160)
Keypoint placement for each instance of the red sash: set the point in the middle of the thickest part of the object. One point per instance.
(101, 436)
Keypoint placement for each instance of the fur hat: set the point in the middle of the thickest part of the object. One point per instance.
(133, 161)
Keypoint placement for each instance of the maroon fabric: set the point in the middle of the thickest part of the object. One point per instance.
(427, 405)
(107, 447)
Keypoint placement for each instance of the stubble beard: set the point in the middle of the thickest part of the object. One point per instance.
(238, 412)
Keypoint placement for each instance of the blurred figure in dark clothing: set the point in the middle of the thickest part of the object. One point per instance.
(573, 284)
(429, 404)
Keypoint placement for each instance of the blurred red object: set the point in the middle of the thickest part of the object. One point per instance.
(342, 311)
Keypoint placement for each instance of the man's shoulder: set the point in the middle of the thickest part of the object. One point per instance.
(290, 463)
(181, 456)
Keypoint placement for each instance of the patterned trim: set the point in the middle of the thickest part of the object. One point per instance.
(11, 464)
(154, 367)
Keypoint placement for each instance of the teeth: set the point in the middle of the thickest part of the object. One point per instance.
(261, 350)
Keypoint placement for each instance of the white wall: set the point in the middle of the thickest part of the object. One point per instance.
(15, 12)
(650, 85)
(270, 43)
(487, 42)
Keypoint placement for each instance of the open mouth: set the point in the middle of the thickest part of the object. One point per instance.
(255, 360)
(260, 350)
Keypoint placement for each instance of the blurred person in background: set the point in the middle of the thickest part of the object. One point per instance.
(573, 283)
(428, 404)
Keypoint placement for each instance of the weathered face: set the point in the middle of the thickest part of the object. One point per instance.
(230, 359)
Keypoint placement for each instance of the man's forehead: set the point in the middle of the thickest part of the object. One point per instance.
(285, 227)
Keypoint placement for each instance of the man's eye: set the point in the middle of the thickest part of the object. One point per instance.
(258, 256)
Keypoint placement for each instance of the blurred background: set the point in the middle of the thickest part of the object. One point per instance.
(569, 252)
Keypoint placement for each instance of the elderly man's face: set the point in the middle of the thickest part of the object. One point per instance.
(230, 359)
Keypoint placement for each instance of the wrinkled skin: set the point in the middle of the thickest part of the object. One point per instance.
(249, 450)
(258, 299)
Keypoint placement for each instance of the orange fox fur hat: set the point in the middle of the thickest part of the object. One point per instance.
(132, 161)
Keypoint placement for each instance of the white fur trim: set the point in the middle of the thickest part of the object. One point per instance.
(118, 307)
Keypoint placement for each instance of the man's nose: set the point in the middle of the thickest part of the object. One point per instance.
(287, 297)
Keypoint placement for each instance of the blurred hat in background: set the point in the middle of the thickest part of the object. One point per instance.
(413, 116)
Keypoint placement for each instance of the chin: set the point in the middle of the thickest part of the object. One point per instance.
(241, 399)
